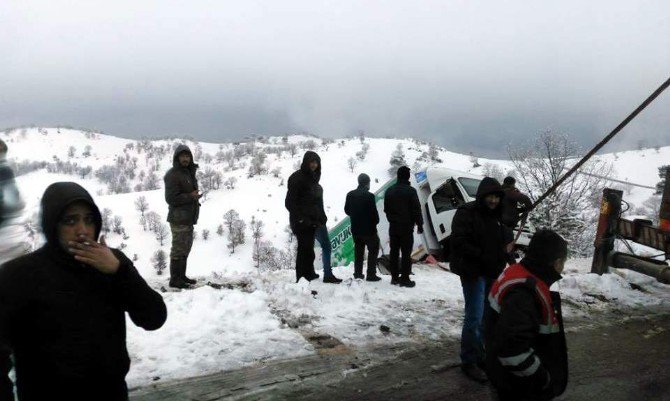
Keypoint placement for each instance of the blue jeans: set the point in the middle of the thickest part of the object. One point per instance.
(321, 236)
(472, 345)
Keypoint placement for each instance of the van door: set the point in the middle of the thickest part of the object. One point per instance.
(442, 205)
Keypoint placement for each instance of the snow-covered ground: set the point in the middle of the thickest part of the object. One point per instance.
(265, 315)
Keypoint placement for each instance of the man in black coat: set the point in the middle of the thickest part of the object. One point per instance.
(515, 203)
(526, 354)
(182, 197)
(304, 201)
(403, 212)
(480, 247)
(63, 307)
(361, 208)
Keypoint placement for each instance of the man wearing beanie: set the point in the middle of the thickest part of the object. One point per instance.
(480, 247)
(361, 208)
(526, 353)
(403, 211)
(515, 203)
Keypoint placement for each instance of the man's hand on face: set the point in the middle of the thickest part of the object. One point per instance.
(196, 195)
(509, 248)
(94, 254)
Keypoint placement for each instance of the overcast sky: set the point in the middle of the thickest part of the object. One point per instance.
(469, 75)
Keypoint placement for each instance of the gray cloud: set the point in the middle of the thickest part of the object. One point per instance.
(469, 75)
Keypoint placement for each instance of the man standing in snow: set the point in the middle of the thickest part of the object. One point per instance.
(182, 197)
(63, 308)
(511, 211)
(403, 212)
(361, 208)
(526, 354)
(480, 247)
(304, 201)
(14, 242)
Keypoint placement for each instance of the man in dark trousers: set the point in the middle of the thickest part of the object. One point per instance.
(515, 203)
(361, 208)
(403, 212)
(526, 354)
(63, 308)
(182, 197)
(304, 201)
(480, 246)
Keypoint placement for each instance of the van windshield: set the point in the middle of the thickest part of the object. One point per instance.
(470, 185)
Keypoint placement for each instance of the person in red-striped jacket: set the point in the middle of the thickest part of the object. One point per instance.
(526, 353)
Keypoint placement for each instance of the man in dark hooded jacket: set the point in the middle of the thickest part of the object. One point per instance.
(63, 307)
(515, 203)
(480, 247)
(304, 201)
(361, 208)
(403, 212)
(526, 354)
(182, 197)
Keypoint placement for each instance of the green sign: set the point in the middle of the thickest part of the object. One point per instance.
(341, 240)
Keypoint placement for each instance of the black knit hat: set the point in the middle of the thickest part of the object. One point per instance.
(546, 246)
(509, 181)
(403, 173)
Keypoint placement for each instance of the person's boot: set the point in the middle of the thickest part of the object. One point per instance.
(311, 276)
(394, 280)
(372, 277)
(176, 280)
(332, 279)
(183, 276)
(473, 372)
(406, 282)
(358, 273)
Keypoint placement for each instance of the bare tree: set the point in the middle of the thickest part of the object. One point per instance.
(236, 235)
(230, 182)
(159, 261)
(573, 208)
(141, 204)
(256, 234)
(229, 218)
(153, 220)
(292, 149)
(205, 234)
(351, 163)
(117, 225)
(162, 233)
(397, 160)
(361, 154)
(106, 220)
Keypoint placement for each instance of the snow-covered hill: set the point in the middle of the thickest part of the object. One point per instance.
(216, 329)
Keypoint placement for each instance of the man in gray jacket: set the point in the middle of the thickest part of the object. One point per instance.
(181, 195)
